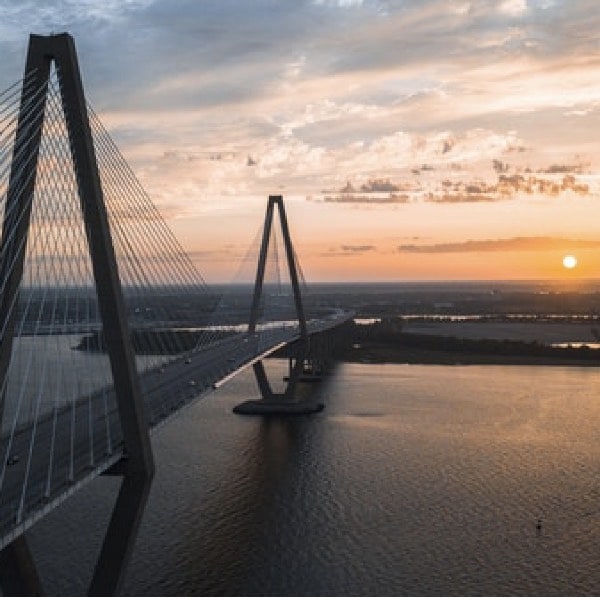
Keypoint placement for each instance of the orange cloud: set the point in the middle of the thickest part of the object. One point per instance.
(523, 244)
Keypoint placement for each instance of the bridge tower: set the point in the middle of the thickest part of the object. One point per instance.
(273, 403)
(17, 569)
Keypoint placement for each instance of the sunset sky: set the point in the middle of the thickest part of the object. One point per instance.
(414, 139)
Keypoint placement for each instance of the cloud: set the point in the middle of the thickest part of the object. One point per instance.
(509, 182)
(379, 185)
(459, 198)
(358, 249)
(562, 169)
(513, 8)
(329, 111)
(44, 15)
(516, 244)
(499, 166)
(175, 155)
(447, 146)
(339, 3)
(348, 250)
(363, 199)
(508, 186)
(316, 93)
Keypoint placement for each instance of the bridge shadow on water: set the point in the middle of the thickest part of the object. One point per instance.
(225, 513)
(237, 544)
(242, 504)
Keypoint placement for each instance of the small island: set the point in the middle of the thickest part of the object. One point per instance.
(155, 341)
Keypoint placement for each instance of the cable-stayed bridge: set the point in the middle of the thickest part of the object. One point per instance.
(107, 328)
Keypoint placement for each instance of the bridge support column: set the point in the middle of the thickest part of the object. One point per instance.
(17, 570)
(18, 573)
(120, 536)
(283, 403)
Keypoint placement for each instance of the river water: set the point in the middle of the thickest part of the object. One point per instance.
(415, 480)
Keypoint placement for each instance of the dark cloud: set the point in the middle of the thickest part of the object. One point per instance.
(358, 249)
(460, 192)
(147, 53)
(362, 199)
(510, 184)
(135, 45)
(447, 146)
(522, 244)
(376, 186)
(379, 185)
(562, 169)
(506, 187)
(499, 166)
(459, 198)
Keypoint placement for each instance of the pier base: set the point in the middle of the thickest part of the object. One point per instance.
(268, 407)
(272, 403)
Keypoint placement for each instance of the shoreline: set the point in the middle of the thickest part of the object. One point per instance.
(443, 343)
(389, 354)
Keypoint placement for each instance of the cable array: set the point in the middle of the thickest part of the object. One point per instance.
(59, 419)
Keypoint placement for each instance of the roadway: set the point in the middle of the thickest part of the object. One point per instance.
(44, 464)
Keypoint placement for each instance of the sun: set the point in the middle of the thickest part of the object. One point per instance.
(569, 261)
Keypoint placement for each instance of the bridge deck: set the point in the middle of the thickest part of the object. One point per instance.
(80, 429)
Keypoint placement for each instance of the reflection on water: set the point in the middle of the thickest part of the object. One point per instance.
(415, 480)
(591, 345)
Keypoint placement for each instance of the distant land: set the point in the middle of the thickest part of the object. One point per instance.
(474, 322)
(386, 341)
(450, 322)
